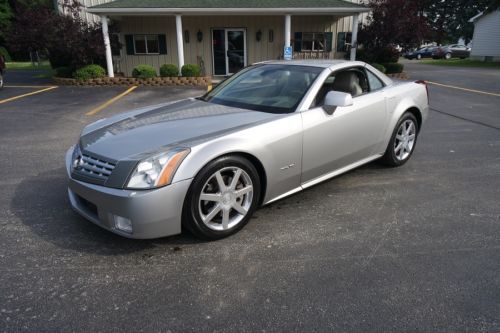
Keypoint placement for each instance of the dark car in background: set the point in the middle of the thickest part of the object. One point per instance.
(451, 51)
(425, 52)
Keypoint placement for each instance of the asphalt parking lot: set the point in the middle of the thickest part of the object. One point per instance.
(415, 248)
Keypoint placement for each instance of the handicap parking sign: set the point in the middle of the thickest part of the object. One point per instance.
(287, 53)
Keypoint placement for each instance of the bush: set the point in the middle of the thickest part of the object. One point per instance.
(386, 54)
(379, 67)
(144, 71)
(89, 72)
(169, 70)
(191, 70)
(393, 67)
(5, 54)
(63, 72)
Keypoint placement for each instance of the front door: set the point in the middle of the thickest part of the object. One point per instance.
(229, 50)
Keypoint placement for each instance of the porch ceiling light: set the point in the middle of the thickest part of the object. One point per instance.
(199, 35)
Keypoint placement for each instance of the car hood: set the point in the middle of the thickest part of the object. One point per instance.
(184, 123)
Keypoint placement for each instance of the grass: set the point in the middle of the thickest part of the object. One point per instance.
(461, 63)
(26, 65)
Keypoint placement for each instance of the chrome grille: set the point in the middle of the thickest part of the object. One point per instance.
(94, 167)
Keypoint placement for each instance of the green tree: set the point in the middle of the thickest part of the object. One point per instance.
(6, 15)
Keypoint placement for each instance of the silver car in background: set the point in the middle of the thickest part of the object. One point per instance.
(267, 132)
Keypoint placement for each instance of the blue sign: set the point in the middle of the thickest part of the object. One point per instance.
(287, 53)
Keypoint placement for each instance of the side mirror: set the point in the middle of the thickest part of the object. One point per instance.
(333, 99)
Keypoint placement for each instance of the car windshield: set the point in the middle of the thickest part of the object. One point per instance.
(267, 88)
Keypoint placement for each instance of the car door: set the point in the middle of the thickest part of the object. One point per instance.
(348, 135)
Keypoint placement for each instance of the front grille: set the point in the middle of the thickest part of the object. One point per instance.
(94, 167)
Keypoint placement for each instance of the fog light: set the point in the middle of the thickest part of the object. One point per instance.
(123, 224)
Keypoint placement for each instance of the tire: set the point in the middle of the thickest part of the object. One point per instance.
(419, 56)
(447, 56)
(1, 80)
(395, 156)
(223, 213)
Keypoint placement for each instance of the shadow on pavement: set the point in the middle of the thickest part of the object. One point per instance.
(41, 203)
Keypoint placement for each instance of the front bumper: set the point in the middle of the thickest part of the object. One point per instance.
(153, 213)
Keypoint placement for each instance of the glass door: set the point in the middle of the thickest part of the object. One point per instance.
(229, 50)
(235, 50)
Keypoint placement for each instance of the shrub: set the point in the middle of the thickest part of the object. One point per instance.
(393, 67)
(5, 54)
(89, 72)
(379, 67)
(386, 54)
(169, 70)
(63, 72)
(191, 70)
(144, 71)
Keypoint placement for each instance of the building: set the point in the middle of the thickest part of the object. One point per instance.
(225, 35)
(486, 38)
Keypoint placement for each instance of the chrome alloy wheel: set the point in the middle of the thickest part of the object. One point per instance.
(225, 198)
(405, 140)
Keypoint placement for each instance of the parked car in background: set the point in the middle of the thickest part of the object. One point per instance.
(267, 132)
(451, 51)
(425, 52)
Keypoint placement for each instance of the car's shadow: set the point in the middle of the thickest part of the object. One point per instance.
(41, 203)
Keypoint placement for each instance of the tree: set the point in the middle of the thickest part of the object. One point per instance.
(449, 19)
(6, 15)
(68, 40)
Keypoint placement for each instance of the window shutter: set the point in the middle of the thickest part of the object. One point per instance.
(162, 42)
(129, 44)
(297, 44)
(328, 41)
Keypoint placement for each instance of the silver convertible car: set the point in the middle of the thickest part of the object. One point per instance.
(271, 130)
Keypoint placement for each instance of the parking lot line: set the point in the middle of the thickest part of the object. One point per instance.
(26, 95)
(110, 101)
(464, 89)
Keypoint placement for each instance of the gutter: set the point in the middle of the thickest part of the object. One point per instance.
(224, 11)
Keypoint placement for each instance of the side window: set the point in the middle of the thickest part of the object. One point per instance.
(353, 81)
(374, 81)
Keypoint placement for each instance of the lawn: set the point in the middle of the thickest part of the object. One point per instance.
(461, 63)
(26, 65)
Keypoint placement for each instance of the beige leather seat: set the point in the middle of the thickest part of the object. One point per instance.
(347, 82)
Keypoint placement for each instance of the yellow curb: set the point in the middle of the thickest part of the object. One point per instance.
(25, 95)
(464, 89)
(111, 101)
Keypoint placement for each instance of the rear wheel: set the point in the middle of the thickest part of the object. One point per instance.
(419, 56)
(447, 56)
(222, 198)
(1, 80)
(403, 141)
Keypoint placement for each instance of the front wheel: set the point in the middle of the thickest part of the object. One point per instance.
(403, 141)
(419, 56)
(1, 80)
(222, 198)
(447, 56)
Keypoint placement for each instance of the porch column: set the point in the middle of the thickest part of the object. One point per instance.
(288, 28)
(180, 41)
(354, 38)
(107, 45)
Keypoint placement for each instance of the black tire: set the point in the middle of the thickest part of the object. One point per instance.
(192, 218)
(390, 158)
(1, 80)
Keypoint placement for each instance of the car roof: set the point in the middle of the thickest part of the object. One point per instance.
(322, 63)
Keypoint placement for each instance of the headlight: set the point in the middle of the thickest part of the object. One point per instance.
(158, 170)
(76, 157)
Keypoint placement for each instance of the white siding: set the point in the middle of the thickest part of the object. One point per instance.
(91, 18)
(486, 39)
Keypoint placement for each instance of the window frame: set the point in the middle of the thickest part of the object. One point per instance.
(145, 36)
(313, 40)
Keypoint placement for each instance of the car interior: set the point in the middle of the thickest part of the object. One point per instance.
(352, 81)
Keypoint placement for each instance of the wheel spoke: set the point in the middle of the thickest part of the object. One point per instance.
(212, 214)
(410, 127)
(243, 191)
(240, 209)
(220, 181)
(400, 137)
(210, 197)
(411, 137)
(236, 177)
(225, 219)
(398, 147)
